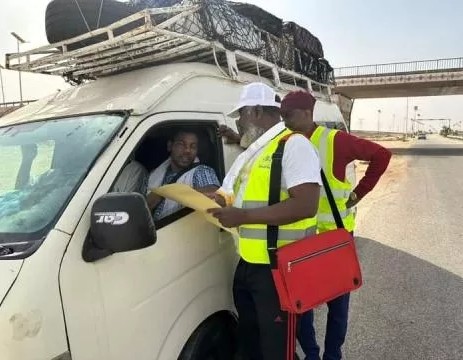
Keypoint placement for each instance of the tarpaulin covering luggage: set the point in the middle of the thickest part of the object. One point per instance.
(325, 72)
(274, 44)
(302, 39)
(261, 18)
(240, 26)
(143, 4)
(216, 20)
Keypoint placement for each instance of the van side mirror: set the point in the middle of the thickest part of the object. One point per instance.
(120, 222)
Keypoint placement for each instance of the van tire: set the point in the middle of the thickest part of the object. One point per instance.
(215, 339)
(63, 19)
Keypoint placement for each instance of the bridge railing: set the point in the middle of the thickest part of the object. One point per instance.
(400, 68)
(16, 103)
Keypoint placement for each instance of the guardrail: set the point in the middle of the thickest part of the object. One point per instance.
(400, 68)
(16, 103)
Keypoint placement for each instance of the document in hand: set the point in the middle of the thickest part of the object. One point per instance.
(190, 198)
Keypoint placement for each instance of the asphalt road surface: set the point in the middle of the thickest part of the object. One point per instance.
(410, 241)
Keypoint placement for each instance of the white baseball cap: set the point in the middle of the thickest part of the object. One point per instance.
(255, 94)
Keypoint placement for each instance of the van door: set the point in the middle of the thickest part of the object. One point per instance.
(145, 304)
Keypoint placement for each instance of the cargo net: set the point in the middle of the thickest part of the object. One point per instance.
(250, 29)
(215, 21)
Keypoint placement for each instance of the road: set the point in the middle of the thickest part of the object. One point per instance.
(410, 242)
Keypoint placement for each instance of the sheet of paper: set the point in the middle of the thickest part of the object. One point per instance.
(193, 199)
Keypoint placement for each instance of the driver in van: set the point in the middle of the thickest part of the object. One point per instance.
(182, 166)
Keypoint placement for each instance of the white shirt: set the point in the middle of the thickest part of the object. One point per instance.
(300, 165)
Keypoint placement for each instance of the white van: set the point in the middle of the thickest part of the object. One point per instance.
(77, 280)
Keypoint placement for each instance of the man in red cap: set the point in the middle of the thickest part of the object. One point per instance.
(336, 150)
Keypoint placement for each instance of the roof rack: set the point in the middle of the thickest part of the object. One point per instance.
(113, 51)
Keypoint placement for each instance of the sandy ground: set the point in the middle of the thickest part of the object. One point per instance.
(394, 174)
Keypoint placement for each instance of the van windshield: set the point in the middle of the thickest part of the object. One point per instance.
(41, 165)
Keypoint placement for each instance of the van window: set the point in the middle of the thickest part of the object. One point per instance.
(151, 155)
(42, 165)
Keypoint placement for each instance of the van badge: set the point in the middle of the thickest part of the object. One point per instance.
(112, 218)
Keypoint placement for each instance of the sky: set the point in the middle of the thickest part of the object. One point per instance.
(354, 32)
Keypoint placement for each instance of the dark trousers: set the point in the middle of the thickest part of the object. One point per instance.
(336, 330)
(262, 326)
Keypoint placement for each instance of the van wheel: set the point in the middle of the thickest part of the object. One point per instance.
(215, 339)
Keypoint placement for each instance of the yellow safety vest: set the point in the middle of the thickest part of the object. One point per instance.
(323, 140)
(253, 238)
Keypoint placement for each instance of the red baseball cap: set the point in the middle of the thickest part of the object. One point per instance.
(298, 100)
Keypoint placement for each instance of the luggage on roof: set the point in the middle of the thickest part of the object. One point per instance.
(190, 30)
(65, 19)
(261, 18)
(302, 39)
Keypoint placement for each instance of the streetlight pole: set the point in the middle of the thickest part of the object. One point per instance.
(413, 123)
(406, 121)
(19, 40)
(379, 115)
(1, 83)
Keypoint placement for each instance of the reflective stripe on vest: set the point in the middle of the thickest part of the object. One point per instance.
(336, 193)
(328, 217)
(253, 238)
(323, 140)
(259, 234)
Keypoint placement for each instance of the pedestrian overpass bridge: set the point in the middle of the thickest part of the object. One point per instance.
(405, 79)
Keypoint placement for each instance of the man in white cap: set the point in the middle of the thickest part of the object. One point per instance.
(245, 195)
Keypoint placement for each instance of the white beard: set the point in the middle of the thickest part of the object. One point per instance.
(251, 134)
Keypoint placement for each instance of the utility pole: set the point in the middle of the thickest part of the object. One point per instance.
(19, 40)
(1, 83)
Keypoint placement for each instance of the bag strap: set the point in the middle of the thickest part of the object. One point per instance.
(274, 198)
(183, 172)
(333, 206)
(291, 339)
(272, 237)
